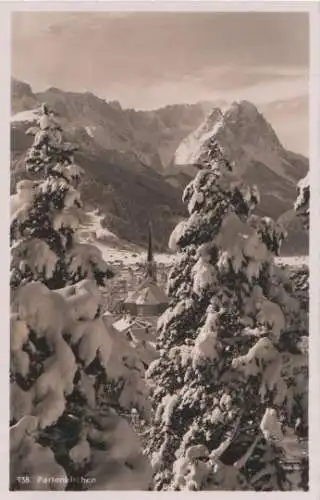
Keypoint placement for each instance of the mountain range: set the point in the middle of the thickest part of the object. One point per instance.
(138, 162)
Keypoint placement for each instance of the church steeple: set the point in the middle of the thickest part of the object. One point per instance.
(149, 299)
(150, 249)
(151, 271)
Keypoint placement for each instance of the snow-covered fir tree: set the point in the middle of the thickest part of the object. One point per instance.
(46, 212)
(300, 275)
(230, 386)
(303, 199)
(73, 378)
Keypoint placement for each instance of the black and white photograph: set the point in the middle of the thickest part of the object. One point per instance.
(159, 250)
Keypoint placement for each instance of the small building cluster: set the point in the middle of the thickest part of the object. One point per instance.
(148, 299)
(139, 311)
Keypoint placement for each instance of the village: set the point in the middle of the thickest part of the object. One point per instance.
(135, 298)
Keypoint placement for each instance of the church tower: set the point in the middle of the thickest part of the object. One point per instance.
(151, 266)
(149, 299)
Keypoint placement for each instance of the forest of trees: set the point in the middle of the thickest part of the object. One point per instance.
(225, 404)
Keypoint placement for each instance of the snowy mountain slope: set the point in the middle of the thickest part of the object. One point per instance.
(127, 156)
(129, 195)
(252, 145)
(246, 136)
(122, 152)
(117, 181)
(191, 147)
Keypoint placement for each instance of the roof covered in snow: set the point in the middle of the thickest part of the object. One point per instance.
(127, 322)
(148, 293)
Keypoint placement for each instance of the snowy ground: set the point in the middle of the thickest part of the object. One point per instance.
(92, 229)
(115, 250)
(294, 261)
(131, 258)
(128, 257)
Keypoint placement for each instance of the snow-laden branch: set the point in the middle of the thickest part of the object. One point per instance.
(268, 469)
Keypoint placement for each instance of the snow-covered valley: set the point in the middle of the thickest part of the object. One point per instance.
(127, 257)
(117, 251)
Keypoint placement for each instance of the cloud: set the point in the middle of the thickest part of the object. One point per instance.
(148, 60)
(155, 46)
(260, 86)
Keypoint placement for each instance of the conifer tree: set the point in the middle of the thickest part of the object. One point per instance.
(225, 378)
(300, 275)
(46, 213)
(302, 201)
(73, 378)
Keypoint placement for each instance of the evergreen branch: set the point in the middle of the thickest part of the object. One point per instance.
(243, 460)
(268, 469)
(217, 452)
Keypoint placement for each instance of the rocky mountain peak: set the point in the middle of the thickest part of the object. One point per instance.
(249, 125)
(115, 105)
(213, 117)
(243, 132)
(242, 108)
(252, 146)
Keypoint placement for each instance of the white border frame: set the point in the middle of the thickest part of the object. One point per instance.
(313, 8)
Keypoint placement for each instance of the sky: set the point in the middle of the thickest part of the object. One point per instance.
(149, 60)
